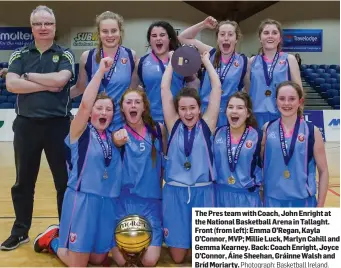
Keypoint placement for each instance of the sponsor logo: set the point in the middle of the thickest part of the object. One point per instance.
(85, 39)
(16, 36)
(73, 237)
(219, 141)
(300, 137)
(248, 144)
(334, 123)
(124, 60)
(55, 58)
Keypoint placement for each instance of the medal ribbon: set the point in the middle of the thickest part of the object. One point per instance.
(188, 144)
(234, 160)
(269, 74)
(223, 74)
(287, 156)
(106, 79)
(107, 153)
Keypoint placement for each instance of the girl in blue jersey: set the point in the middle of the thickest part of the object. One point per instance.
(188, 173)
(292, 150)
(236, 153)
(230, 66)
(268, 69)
(162, 38)
(142, 142)
(117, 80)
(86, 232)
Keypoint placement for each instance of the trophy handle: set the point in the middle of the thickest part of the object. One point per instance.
(133, 259)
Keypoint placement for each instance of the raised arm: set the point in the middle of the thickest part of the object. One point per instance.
(135, 80)
(82, 79)
(78, 124)
(169, 112)
(322, 167)
(188, 35)
(212, 112)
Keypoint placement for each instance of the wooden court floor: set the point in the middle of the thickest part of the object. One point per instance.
(45, 210)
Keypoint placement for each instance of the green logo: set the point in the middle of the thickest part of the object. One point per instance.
(2, 123)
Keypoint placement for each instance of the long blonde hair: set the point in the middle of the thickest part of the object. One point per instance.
(105, 16)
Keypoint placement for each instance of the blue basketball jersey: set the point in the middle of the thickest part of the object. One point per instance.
(200, 157)
(302, 167)
(140, 175)
(119, 82)
(231, 84)
(86, 165)
(150, 73)
(258, 87)
(247, 171)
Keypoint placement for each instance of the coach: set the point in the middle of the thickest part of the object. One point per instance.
(40, 75)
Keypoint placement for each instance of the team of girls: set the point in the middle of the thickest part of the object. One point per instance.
(212, 136)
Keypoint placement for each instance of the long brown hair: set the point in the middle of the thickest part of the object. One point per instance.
(251, 120)
(299, 91)
(105, 16)
(216, 61)
(146, 117)
(270, 22)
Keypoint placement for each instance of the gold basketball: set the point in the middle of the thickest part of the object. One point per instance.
(133, 234)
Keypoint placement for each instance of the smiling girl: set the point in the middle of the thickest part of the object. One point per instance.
(86, 231)
(292, 150)
(162, 39)
(117, 80)
(268, 70)
(189, 158)
(236, 151)
(230, 65)
(142, 142)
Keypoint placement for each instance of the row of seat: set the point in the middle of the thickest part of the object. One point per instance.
(325, 79)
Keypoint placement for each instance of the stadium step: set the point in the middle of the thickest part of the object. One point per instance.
(317, 108)
(313, 95)
(315, 102)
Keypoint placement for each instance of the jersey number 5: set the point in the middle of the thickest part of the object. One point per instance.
(142, 147)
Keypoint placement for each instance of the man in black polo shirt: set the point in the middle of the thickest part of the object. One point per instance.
(40, 74)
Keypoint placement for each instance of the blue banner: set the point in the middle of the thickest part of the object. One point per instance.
(316, 117)
(302, 40)
(14, 37)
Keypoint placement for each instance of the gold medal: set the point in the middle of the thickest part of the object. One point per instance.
(286, 174)
(231, 180)
(105, 175)
(268, 93)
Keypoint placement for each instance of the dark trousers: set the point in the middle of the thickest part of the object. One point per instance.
(31, 137)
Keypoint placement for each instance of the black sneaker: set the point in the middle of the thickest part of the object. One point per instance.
(14, 241)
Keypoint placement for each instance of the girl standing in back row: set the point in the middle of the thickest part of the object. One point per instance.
(118, 78)
(230, 65)
(268, 69)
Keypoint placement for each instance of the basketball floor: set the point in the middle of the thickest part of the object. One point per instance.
(45, 210)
